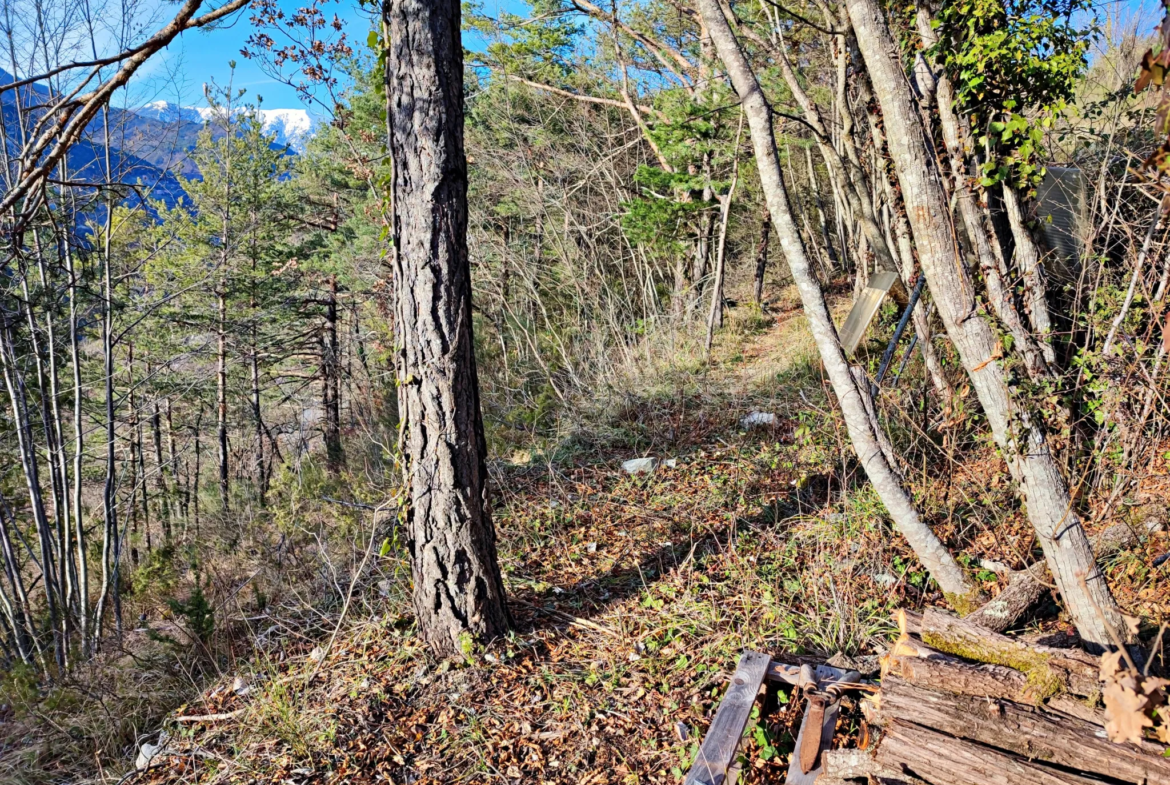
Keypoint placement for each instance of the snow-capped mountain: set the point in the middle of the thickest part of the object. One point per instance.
(293, 127)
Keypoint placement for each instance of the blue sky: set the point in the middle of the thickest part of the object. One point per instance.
(201, 56)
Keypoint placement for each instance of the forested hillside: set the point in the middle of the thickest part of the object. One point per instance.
(466, 423)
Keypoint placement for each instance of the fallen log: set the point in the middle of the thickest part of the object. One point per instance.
(1028, 731)
(841, 766)
(949, 674)
(962, 705)
(1027, 586)
(944, 760)
(1048, 671)
(1073, 707)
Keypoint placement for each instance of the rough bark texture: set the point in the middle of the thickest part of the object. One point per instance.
(221, 427)
(331, 383)
(936, 670)
(1025, 730)
(1022, 442)
(926, 545)
(1049, 670)
(458, 593)
(1029, 718)
(942, 760)
(1027, 586)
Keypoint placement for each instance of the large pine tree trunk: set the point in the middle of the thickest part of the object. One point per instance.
(458, 592)
(862, 432)
(330, 373)
(1042, 486)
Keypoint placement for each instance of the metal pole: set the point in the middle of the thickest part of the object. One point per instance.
(905, 360)
(889, 354)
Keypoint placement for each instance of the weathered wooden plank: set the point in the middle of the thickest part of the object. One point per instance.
(722, 740)
(1025, 730)
(822, 675)
(944, 760)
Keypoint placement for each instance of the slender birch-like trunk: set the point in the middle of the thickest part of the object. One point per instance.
(863, 435)
(1021, 440)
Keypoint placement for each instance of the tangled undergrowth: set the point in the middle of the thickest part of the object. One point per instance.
(632, 597)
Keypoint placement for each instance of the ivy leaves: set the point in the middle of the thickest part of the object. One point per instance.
(1015, 65)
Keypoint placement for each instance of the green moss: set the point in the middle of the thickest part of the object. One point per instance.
(1043, 682)
(965, 604)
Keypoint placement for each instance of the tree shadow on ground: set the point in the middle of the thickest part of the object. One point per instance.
(594, 595)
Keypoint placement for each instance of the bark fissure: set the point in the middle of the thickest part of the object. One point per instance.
(448, 520)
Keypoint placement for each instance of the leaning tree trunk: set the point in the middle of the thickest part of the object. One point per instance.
(862, 428)
(956, 138)
(1020, 438)
(458, 591)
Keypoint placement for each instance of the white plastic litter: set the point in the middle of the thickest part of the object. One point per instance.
(640, 465)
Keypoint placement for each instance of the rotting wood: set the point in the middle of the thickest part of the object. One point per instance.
(944, 760)
(1074, 707)
(718, 749)
(843, 765)
(961, 678)
(1024, 730)
(1049, 671)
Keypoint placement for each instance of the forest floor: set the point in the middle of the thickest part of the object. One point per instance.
(632, 597)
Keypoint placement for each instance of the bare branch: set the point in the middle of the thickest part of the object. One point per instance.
(74, 116)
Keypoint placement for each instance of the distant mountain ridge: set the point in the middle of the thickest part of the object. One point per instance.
(149, 146)
(292, 127)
